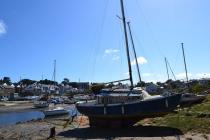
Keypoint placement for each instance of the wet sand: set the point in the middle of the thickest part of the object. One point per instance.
(21, 106)
(15, 106)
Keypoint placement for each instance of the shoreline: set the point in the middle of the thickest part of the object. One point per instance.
(40, 129)
(15, 106)
(20, 112)
(22, 106)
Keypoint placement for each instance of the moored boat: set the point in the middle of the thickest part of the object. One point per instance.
(41, 104)
(109, 110)
(55, 112)
(190, 98)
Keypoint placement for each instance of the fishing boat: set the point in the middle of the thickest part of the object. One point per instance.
(55, 112)
(120, 107)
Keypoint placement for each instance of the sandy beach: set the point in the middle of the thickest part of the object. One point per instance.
(79, 129)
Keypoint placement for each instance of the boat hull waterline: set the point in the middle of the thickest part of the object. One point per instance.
(127, 114)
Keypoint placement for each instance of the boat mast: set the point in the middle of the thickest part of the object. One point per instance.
(54, 72)
(126, 43)
(167, 67)
(184, 61)
(134, 51)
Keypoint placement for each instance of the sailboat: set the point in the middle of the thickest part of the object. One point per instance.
(117, 107)
(189, 99)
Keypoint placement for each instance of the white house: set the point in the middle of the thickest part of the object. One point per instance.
(38, 88)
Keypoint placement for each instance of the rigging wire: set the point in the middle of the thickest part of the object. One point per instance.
(176, 58)
(157, 46)
(153, 37)
(150, 29)
(121, 48)
(144, 54)
(98, 42)
(171, 69)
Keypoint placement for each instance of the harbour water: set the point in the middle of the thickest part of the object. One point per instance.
(15, 117)
(10, 118)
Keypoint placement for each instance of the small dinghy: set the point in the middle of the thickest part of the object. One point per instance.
(41, 104)
(55, 112)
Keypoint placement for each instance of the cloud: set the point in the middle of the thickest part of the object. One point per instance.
(115, 57)
(202, 75)
(112, 53)
(183, 75)
(2, 28)
(193, 76)
(146, 74)
(141, 60)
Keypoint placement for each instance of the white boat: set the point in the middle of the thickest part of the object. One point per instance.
(55, 111)
(41, 104)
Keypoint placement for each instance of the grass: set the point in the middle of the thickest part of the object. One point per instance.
(193, 119)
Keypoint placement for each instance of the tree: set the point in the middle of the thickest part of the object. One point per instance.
(141, 84)
(209, 84)
(48, 82)
(73, 84)
(65, 81)
(26, 82)
(96, 88)
(169, 81)
(197, 88)
(7, 80)
(159, 83)
(1, 82)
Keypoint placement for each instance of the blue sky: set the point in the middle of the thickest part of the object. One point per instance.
(86, 38)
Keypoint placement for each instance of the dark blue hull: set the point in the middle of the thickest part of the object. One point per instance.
(128, 113)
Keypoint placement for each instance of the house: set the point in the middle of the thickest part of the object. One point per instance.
(80, 85)
(204, 81)
(38, 89)
(83, 85)
(170, 84)
(6, 91)
(192, 83)
(65, 88)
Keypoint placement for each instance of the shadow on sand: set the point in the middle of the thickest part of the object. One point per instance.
(137, 131)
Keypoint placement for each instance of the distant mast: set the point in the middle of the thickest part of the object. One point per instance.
(166, 67)
(134, 51)
(126, 43)
(54, 72)
(184, 62)
(42, 77)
